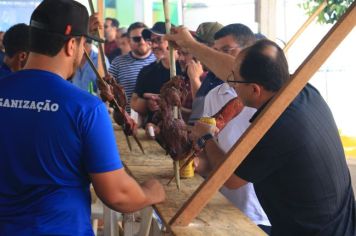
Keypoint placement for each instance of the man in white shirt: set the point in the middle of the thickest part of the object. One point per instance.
(231, 39)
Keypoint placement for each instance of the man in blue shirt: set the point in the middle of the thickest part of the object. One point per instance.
(85, 76)
(58, 138)
(16, 43)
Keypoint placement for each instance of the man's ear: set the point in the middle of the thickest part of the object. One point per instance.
(256, 89)
(23, 56)
(69, 47)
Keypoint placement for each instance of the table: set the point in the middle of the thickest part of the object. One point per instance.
(219, 217)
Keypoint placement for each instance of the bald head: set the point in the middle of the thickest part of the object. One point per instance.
(264, 63)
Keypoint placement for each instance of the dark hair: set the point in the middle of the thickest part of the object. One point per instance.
(136, 25)
(114, 22)
(16, 39)
(241, 33)
(46, 43)
(269, 70)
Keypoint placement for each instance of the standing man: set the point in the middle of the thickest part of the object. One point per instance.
(299, 167)
(110, 30)
(230, 40)
(205, 35)
(125, 68)
(2, 50)
(58, 138)
(84, 77)
(124, 43)
(16, 44)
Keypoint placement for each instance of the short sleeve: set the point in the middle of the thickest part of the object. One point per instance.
(99, 144)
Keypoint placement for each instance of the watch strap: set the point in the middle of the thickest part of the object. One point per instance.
(201, 142)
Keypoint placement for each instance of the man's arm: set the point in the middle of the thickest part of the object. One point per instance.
(138, 104)
(213, 154)
(195, 70)
(122, 193)
(220, 64)
(216, 156)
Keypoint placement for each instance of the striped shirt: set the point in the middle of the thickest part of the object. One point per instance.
(125, 69)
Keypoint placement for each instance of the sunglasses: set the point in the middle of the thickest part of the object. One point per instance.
(158, 40)
(136, 39)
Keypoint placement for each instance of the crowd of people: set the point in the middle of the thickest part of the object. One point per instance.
(58, 138)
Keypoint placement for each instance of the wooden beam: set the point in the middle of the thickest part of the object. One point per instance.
(304, 26)
(101, 56)
(270, 114)
(265, 16)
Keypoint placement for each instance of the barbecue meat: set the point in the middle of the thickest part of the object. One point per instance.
(173, 135)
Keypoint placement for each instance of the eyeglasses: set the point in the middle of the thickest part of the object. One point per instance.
(157, 40)
(136, 39)
(227, 49)
(232, 81)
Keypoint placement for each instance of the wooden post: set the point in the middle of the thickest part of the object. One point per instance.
(269, 115)
(101, 56)
(172, 72)
(304, 26)
(265, 15)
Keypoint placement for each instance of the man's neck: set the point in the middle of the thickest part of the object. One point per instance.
(267, 95)
(110, 38)
(139, 56)
(46, 63)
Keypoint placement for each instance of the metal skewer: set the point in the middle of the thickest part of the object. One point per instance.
(114, 102)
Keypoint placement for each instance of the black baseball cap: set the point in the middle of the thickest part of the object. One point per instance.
(159, 28)
(65, 17)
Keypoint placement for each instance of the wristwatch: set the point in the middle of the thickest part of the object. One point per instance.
(203, 139)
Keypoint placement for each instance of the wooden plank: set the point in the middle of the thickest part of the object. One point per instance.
(304, 26)
(269, 115)
(219, 217)
(266, 17)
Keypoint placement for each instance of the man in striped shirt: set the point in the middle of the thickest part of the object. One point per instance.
(125, 68)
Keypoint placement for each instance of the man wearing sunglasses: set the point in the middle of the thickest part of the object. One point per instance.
(151, 78)
(125, 68)
(298, 168)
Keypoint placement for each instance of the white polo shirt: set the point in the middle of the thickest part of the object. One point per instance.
(244, 197)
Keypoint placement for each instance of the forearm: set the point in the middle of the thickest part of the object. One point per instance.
(139, 104)
(137, 198)
(219, 63)
(214, 154)
(195, 85)
(122, 193)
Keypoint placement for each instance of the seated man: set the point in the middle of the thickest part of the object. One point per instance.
(125, 68)
(151, 78)
(16, 44)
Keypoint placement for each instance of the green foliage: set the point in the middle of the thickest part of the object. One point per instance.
(331, 13)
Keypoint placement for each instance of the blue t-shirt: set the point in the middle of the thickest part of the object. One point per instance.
(52, 136)
(4, 70)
